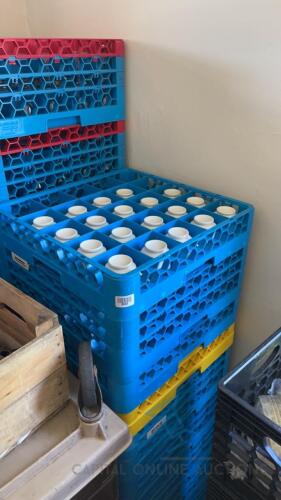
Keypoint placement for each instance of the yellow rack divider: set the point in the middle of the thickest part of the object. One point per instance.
(199, 359)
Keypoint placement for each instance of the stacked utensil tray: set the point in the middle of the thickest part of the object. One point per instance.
(160, 333)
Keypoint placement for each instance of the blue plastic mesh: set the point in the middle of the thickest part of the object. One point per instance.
(60, 91)
(127, 377)
(219, 242)
(171, 452)
(31, 171)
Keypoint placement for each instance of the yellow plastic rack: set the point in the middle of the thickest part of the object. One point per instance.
(199, 359)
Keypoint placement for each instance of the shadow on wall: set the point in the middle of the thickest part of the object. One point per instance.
(216, 127)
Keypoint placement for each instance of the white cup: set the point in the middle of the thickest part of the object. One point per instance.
(120, 264)
(152, 222)
(204, 221)
(176, 211)
(96, 221)
(122, 234)
(179, 234)
(102, 201)
(154, 248)
(149, 201)
(172, 193)
(226, 211)
(76, 210)
(196, 201)
(91, 248)
(124, 193)
(66, 234)
(43, 221)
(123, 211)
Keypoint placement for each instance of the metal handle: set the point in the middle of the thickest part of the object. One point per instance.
(89, 394)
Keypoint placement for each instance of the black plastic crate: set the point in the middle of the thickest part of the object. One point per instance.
(102, 487)
(244, 462)
(218, 491)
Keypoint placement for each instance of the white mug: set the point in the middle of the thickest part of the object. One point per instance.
(76, 210)
(226, 211)
(179, 234)
(172, 192)
(204, 221)
(149, 201)
(152, 222)
(102, 201)
(154, 248)
(123, 211)
(43, 221)
(96, 221)
(91, 248)
(176, 211)
(122, 234)
(66, 234)
(121, 264)
(124, 193)
(196, 201)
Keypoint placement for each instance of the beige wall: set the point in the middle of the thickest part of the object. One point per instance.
(204, 106)
(13, 18)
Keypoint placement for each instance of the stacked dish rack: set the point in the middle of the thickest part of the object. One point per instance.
(63, 144)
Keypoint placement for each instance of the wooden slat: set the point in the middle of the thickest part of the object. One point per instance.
(38, 318)
(27, 413)
(15, 327)
(28, 366)
(7, 340)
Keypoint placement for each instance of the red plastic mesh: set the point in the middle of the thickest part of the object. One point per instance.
(58, 136)
(27, 48)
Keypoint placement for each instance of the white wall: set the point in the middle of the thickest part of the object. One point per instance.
(204, 106)
(13, 19)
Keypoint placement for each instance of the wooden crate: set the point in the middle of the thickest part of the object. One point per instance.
(33, 378)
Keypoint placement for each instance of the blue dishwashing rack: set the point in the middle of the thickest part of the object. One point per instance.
(172, 452)
(47, 91)
(169, 299)
(58, 158)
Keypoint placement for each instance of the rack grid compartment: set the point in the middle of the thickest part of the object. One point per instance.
(173, 430)
(82, 84)
(175, 297)
(217, 243)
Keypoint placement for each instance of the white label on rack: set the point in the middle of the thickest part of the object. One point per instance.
(156, 427)
(20, 261)
(125, 300)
